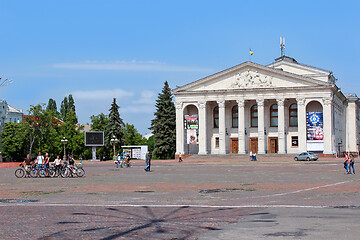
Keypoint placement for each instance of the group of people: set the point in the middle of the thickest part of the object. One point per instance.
(42, 161)
(119, 160)
(349, 163)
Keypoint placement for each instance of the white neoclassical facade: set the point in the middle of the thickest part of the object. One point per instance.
(285, 107)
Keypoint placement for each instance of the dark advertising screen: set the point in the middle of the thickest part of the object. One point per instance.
(94, 138)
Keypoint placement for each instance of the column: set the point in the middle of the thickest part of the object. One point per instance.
(179, 128)
(241, 125)
(302, 124)
(202, 128)
(327, 118)
(222, 137)
(261, 126)
(281, 126)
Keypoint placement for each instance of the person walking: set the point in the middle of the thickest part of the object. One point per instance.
(180, 159)
(346, 163)
(351, 164)
(251, 157)
(148, 161)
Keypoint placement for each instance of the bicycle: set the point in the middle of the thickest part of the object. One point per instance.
(71, 171)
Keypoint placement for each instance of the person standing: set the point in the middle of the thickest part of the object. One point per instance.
(351, 164)
(57, 163)
(180, 159)
(148, 161)
(40, 160)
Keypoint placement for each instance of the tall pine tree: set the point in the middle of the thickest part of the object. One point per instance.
(163, 125)
(114, 126)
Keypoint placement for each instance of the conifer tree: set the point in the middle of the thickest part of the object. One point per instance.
(163, 125)
(114, 126)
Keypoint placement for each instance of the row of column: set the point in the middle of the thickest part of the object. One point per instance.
(261, 126)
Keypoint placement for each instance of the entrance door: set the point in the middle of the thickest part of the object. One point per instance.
(253, 145)
(273, 145)
(234, 143)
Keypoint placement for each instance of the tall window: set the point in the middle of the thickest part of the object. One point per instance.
(216, 117)
(274, 115)
(293, 116)
(234, 112)
(254, 116)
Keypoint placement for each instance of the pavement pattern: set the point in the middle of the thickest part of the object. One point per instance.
(275, 198)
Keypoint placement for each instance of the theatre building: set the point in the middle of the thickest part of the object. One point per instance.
(284, 107)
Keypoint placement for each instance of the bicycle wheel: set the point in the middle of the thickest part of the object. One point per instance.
(19, 173)
(52, 172)
(42, 172)
(64, 172)
(80, 172)
(34, 173)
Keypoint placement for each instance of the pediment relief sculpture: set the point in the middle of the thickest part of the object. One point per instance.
(250, 79)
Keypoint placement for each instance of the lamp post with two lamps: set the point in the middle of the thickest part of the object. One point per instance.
(114, 140)
(64, 141)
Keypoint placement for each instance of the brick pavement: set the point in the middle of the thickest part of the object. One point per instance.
(86, 207)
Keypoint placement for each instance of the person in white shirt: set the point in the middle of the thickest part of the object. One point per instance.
(57, 163)
(40, 159)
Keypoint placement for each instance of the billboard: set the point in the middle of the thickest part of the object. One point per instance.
(314, 126)
(192, 136)
(94, 139)
(191, 122)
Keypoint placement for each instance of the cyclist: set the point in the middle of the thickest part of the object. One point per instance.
(127, 159)
(57, 163)
(27, 162)
(71, 161)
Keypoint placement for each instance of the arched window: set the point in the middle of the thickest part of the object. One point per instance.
(274, 115)
(254, 116)
(234, 112)
(216, 117)
(293, 116)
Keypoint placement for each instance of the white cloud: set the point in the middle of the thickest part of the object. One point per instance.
(101, 94)
(129, 66)
(147, 97)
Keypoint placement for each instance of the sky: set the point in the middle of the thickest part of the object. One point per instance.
(98, 50)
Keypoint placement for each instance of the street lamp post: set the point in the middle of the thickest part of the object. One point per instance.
(64, 141)
(114, 141)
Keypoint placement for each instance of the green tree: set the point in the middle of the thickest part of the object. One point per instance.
(51, 106)
(164, 124)
(114, 126)
(99, 122)
(150, 142)
(38, 122)
(14, 140)
(64, 108)
(132, 136)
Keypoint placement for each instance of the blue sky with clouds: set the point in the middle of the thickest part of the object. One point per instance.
(97, 50)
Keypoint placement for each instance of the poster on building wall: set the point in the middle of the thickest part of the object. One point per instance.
(314, 126)
(192, 136)
(191, 122)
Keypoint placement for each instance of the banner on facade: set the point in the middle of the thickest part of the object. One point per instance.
(314, 126)
(191, 122)
(192, 136)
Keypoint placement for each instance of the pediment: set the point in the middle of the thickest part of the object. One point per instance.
(250, 76)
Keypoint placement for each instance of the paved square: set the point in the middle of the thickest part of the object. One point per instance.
(196, 199)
